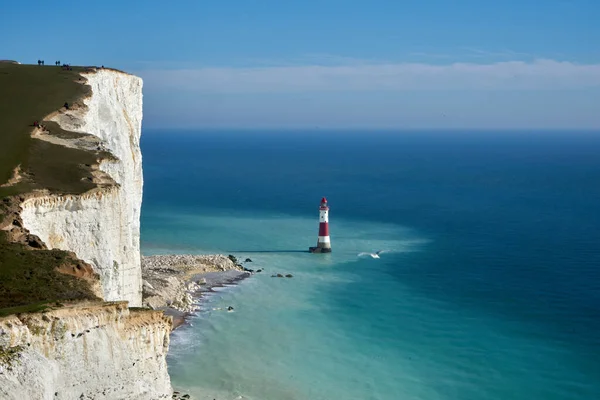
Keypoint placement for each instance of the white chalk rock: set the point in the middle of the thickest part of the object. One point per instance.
(102, 227)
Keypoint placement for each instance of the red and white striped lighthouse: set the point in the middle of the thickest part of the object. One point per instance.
(323, 243)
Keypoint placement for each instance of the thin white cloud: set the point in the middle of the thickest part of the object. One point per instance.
(509, 75)
(425, 54)
(503, 54)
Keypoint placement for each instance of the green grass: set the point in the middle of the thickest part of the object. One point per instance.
(29, 308)
(28, 93)
(29, 277)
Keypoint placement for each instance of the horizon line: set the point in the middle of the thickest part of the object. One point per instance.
(378, 129)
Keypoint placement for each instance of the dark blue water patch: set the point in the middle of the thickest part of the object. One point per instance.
(370, 176)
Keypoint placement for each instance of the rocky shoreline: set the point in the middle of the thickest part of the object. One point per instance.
(173, 283)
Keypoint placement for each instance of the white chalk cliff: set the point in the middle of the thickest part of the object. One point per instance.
(95, 350)
(102, 351)
(102, 226)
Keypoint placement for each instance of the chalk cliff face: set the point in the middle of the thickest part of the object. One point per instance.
(100, 351)
(102, 227)
(94, 350)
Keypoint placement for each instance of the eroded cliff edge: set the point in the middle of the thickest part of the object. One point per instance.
(102, 227)
(80, 349)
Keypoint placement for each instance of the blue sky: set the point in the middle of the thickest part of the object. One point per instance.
(333, 64)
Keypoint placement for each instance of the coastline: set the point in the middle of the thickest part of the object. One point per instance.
(214, 280)
(174, 283)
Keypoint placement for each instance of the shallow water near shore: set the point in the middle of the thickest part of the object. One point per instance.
(488, 289)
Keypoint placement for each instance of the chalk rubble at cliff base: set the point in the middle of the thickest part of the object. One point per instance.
(172, 281)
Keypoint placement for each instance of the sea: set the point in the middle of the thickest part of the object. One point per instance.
(487, 286)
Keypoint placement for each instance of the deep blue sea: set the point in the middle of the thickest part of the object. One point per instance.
(489, 287)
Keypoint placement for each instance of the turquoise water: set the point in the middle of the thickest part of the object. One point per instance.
(489, 287)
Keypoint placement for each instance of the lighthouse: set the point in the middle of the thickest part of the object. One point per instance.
(323, 243)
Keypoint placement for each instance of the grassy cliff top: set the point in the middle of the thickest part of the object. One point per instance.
(29, 93)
